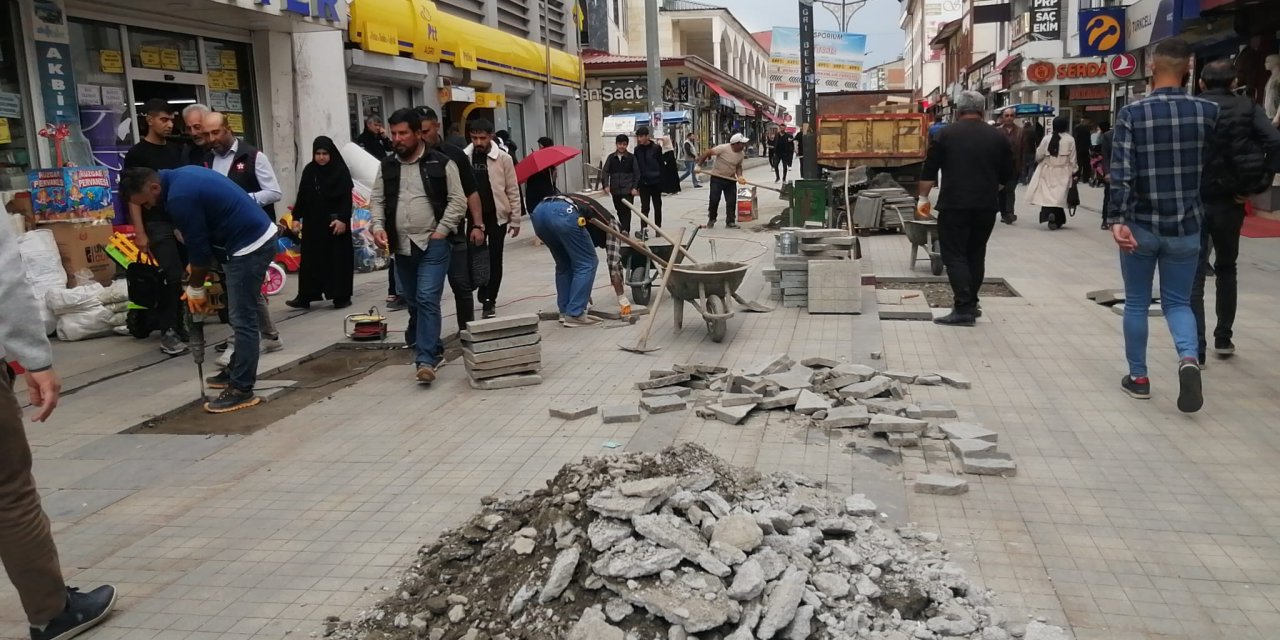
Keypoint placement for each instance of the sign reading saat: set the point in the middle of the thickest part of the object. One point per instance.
(629, 91)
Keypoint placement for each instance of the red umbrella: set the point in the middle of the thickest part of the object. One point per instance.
(544, 159)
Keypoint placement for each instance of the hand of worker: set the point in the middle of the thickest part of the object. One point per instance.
(1124, 238)
(42, 390)
(380, 237)
(625, 305)
(923, 208)
(440, 236)
(141, 241)
(515, 230)
(742, 180)
(338, 227)
(197, 300)
(477, 236)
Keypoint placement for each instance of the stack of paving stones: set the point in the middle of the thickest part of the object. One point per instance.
(790, 276)
(679, 544)
(502, 353)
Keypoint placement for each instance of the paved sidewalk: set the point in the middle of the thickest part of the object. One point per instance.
(1127, 519)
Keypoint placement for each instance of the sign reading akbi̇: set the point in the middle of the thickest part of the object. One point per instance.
(1123, 66)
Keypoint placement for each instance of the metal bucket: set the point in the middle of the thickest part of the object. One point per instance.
(785, 243)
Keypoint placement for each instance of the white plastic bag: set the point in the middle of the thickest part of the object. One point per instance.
(118, 292)
(43, 267)
(94, 321)
(64, 301)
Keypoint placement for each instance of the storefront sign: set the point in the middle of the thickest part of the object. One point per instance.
(53, 63)
(682, 89)
(190, 61)
(50, 20)
(617, 90)
(458, 94)
(110, 61)
(1045, 22)
(1089, 92)
(149, 57)
(1019, 28)
(1123, 66)
(1066, 71)
(89, 95)
(170, 59)
(1150, 21)
(10, 105)
(324, 9)
(1101, 31)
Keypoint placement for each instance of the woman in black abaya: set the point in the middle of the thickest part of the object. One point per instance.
(324, 209)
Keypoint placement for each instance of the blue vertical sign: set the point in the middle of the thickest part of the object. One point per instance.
(1102, 31)
(53, 66)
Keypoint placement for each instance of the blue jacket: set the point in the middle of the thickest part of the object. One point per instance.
(216, 217)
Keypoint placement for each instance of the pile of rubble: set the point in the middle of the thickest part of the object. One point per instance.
(679, 545)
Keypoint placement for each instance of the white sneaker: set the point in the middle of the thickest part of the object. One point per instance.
(271, 344)
(224, 360)
(583, 320)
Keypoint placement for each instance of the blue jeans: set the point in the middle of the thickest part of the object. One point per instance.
(1176, 257)
(689, 170)
(420, 279)
(556, 225)
(244, 275)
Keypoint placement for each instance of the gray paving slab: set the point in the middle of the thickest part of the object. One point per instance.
(73, 505)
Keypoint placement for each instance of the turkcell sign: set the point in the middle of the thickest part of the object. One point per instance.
(323, 9)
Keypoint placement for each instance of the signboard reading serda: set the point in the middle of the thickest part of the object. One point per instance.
(1067, 71)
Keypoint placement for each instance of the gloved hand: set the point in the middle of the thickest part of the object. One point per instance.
(742, 180)
(625, 305)
(197, 301)
(923, 208)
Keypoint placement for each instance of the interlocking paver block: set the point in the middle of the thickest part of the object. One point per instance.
(683, 392)
(968, 430)
(574, 413)
(665, 381)
(497, 371)
(506, 382)
(810, 402)
(478, 328)
(955, 379)
(620, 413)
(783, 399)
(940, 485)
(936, 409)
(991, 464)
(514, 354)
(973, 448)
(503, 343)
(886, 423)
(731, 415)
(739, 399)
(663, 404)
(869, 389)
(845, 417)
(794, 378)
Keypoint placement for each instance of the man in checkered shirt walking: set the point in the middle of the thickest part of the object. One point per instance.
(1160, 148)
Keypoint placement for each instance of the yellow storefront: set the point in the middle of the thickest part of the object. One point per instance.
(466, 69)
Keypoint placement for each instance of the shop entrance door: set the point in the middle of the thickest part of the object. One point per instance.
(177, 95)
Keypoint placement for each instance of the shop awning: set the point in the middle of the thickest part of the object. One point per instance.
(768, 115)
(729, 100)
(393, 27)
(1008, 61)
(668, 117)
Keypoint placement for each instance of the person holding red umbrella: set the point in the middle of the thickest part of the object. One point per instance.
(541, 184)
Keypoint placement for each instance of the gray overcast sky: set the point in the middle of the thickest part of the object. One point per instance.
(878, 19)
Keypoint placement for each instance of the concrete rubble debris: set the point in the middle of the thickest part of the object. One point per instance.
(683, 392)
(954, 379)
(572, 413)
(678, 544)
(930, 409)
(810, 402)
(774, 364)
(989, 464)
(1037, 630)
(620, 413)
(664, 381)
(940, 485)
(885, 423)
(826, 363)
(730, 415)
(782, 400)
(845, 417)
(663, 404)
(968, 431)
(800, 377)
(970, 447)
(869, 389)
(739, 399)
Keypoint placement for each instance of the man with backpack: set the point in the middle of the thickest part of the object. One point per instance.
(1245, 160)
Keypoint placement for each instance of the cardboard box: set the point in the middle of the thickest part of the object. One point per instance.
(83, 246)
(72, 194)
(21, 204)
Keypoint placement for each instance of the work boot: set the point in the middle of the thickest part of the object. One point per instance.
(171, 344)
(426, 374)
(232, 399)
(221, 380)
(1190, 389)
(956, 318)
(489, 310)
(1139, 388)
(583, 320)
(83, 611)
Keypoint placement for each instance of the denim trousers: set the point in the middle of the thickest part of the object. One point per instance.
(1175, 258)
(244, 275)
(556, 225)
(420, 279)
(690, 170)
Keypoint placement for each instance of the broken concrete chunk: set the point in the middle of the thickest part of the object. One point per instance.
(615, 505)
(831, 383)
(719, 506)
(967, 447)
(955, 379)
(731, 415)
(793, 378)
(929, 380)
(748, 582)
(560, 574)
(695, 610)
(572, 413)
(699, 369)
(739, 531)
(661, 373)
(968, 431)
(783, 399)
(904, 440)
(858, 505)
(810, 402)
(885, 423)
(665, 381)
(636, 560)
(884, 405)
(845, 417)
(934, 409)
(615, 609)
(830, 584)
(901, 376)
(782, 604)
(869, 389)
(826, 363)
(801, 626)
(1037, 630)
(773, 364)
(674, 532)
(738, 399)
(940, 485)
(998, 464)
(620, 413)
(606, 532)
(683, 392)
(663, 404)
(661, 487)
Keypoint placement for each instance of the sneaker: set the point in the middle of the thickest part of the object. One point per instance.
(583, 320)
(731, 224)
(342, 303)
(489, 310)
(711, 225)
(122, 330)
(298, 303)
(83, 611)
(224, 360)
(1223, 347)
(172, 345)
(232, 399)
(955, 319)
(426, 374)
(221, 380)
(396, 303)
(268, 345)
(1190, 390)
(1139, 388)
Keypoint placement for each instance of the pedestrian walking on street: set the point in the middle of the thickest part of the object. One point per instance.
(249, 168)
(323, 211)
(1016, 136)
(770, 143)
(1081, 133)
(500, 204)
(621, 178)
(977, 161)
(648, 154)
(1161, 144)
(563, 224)
(689, 151)
(374, 138)
(1245, 160)
(1055, 175)
(726, 175)
(1105, 147)
(54, 610)
(417, 203)
(153, 230)
(786, 150)
(217, 220)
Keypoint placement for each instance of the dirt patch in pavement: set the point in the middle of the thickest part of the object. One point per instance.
(315, 380)
(938, 292)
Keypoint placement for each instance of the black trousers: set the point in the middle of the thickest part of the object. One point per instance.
(651, 194)
(624, 212)
(496, 236)
(1008, 200)
(1221, 233)
(963, 234)
(728, 189)
(391, 278)
(165, 247)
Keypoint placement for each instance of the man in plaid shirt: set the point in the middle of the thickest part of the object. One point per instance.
(1159, 151)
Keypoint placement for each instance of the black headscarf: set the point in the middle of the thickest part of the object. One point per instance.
(333, 180)
(1060, 126)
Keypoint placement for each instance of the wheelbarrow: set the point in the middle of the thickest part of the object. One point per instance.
(708, 287)
(923, 234)
(641, 270)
